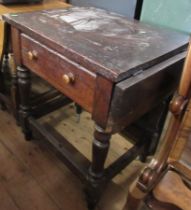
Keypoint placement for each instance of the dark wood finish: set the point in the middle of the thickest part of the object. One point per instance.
(100, 149)
(108, 47)
(45, 96)
(102, 100)
(53, 69)
(124, 160)
(148, 129)
(50, 105)
(78, 111)
(9, 70)
(96, 176)
(47, 102)
(6, 45)
(1, 86)
(114, 68)
(24, 108)
(138, 9)
(136, 95)
(19, 1)
(4, 66)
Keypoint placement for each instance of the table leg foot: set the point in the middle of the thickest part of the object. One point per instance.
(93, 192)
(28, 136)
(3, 106)
(92, 198)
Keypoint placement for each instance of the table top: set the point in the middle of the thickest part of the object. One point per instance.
(103, 42)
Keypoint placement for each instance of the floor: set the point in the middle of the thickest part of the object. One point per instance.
(33, 178)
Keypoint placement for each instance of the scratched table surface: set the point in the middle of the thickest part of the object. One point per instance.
(103, 42)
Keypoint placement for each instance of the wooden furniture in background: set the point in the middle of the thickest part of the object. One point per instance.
(46, 4)
(8, 2)
(12, 102)
(165, 183)
(112, 69)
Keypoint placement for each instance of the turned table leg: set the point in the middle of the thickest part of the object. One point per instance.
(24, 83)
(2, 104)
(4, 72)
(96, 179)
(14, 90)
(4, 62)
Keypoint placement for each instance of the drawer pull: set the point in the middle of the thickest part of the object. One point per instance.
(32, 55)
(68, 78)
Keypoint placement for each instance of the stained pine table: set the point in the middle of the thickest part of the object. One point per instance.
(116, 69)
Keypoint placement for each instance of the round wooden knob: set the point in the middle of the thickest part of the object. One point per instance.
(177, 105)
(32, 55)
(68, 78)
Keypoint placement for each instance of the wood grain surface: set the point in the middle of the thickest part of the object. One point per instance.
(103, 42)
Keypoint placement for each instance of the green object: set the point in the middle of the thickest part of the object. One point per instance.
(175, 14)
(14, 15)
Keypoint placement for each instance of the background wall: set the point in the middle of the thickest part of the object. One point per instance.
(124, 7)
(175, 14)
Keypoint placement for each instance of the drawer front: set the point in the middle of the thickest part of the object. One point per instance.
(68, 77)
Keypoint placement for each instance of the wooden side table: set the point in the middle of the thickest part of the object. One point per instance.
(114, 68)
